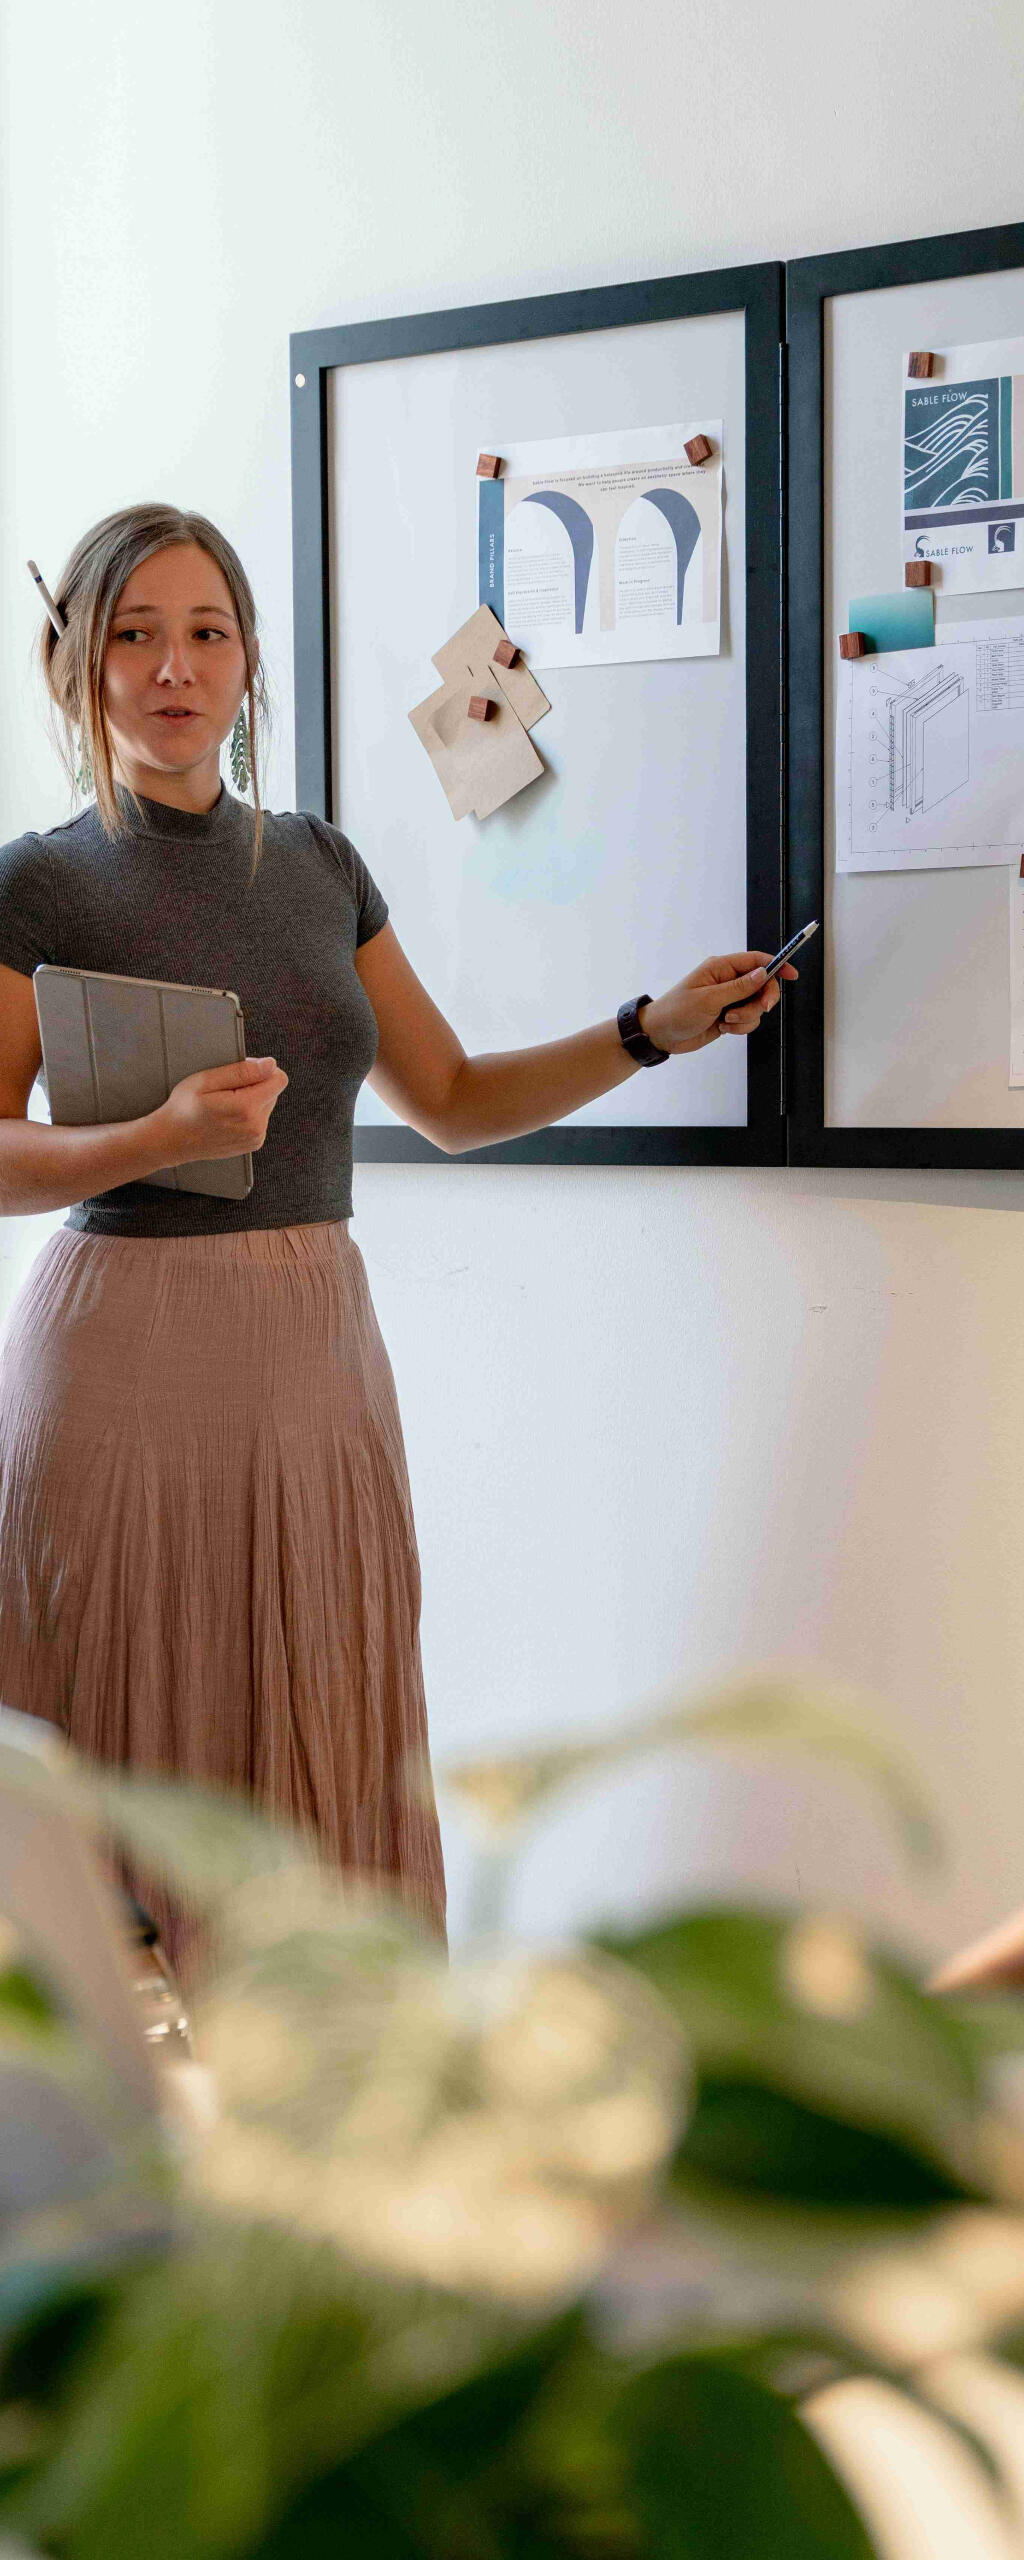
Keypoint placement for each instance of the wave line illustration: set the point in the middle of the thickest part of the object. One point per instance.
(953, 459)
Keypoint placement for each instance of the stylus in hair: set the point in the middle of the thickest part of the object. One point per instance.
(54, 611)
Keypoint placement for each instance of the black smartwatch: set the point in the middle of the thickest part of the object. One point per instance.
(635, 1040)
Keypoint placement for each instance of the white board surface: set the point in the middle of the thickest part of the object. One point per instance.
(624, 865)
(917, 979)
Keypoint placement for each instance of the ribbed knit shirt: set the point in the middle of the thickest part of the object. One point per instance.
(170, 897)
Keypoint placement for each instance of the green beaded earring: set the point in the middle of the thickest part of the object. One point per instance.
(241, 753)
(84, 777)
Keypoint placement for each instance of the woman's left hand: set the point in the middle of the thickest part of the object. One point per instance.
(691, 1014)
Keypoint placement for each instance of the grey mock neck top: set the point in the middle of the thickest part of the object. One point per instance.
(170, 897)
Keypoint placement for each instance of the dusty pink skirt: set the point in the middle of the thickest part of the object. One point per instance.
(208, 1560)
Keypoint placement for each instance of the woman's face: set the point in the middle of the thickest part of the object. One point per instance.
(174, 647)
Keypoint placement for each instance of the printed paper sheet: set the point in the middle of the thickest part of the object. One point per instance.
(1016, 977)
(603, 548)
(963, 465)
(930, 753)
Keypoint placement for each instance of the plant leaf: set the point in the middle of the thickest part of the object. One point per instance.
(723, 2467)
(231, 2377)
(746, 2135)
(797, 2004)
(522, 2469)
(222, 1854)
(752, 1715)
(487, 2126)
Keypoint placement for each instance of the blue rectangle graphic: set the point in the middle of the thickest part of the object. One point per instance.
(902, 621)
(491, 547)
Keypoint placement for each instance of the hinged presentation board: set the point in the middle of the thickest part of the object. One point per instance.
(906, 767)
(872, 452)
(653, 835)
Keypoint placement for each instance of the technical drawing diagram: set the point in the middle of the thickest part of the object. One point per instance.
(929, 741)
(929, 749)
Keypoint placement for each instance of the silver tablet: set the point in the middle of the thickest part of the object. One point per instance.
(114, 1048)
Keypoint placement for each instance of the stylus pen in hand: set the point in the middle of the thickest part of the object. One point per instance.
(795, 943)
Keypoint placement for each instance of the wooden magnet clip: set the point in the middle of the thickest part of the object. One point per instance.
(919, 365)
(480, 706)
(917, 573)
(488, 466)
(698, 449)
(505, 654)
(853, 644)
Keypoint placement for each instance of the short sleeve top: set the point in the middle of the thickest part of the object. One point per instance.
(171, 896)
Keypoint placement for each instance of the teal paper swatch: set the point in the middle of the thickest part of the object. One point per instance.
(903, 621)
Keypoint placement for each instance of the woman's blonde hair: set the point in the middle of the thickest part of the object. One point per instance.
(72, 660)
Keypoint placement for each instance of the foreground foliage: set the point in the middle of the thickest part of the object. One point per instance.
(546, 2254)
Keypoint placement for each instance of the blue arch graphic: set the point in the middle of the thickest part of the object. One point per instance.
(685, 523)
(581, 535)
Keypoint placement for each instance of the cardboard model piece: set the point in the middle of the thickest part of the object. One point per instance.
(480, 762)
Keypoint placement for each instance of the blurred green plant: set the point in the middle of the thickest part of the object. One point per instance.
(540, 2254)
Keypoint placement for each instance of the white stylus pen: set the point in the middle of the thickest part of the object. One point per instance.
(53, 610)
(796, 943)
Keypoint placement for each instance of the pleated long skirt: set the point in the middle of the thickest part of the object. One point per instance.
(208, 1559)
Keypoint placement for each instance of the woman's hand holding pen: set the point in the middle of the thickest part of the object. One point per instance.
(221, 1111)
(698, 1011)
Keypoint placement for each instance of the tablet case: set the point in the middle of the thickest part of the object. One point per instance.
(114, 1048)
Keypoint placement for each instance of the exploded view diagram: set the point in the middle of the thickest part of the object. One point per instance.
(928, 728)
(930, 752)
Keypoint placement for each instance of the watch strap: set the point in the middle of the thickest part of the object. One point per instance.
(634, 1038)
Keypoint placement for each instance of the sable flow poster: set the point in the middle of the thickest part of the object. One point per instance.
(963, 465)
(597, 549)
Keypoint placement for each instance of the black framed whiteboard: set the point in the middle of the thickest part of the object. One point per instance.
(905, 773)
(654, 835)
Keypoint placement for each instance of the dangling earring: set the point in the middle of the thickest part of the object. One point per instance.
(84, 776)
(241, 754)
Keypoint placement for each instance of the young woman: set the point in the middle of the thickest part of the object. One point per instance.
(208, 1559)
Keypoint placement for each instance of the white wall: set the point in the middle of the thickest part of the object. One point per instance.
(660, 1425)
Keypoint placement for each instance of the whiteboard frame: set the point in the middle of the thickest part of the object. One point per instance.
(810, 283)
(314, 354)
